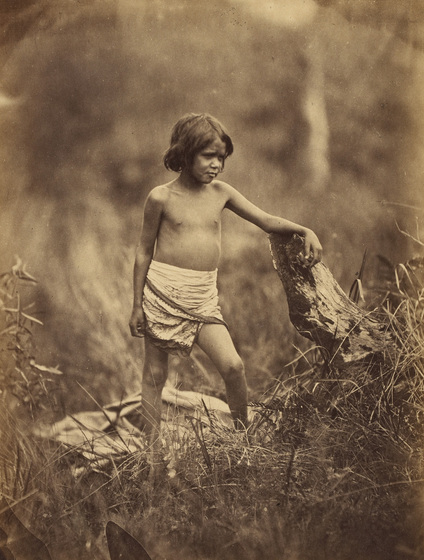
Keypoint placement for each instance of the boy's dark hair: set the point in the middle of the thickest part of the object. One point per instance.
(191, 134)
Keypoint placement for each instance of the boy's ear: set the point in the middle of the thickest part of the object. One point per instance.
(122, 545)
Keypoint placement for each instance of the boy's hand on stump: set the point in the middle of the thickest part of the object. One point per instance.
(312, 249)
(137, 322)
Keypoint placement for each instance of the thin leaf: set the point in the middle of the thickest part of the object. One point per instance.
(33, 319)
(46, 369)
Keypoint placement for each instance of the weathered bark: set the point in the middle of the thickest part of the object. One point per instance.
(322, 312)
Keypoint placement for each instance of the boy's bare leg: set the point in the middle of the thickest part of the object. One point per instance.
(155, 373)
(216, 342)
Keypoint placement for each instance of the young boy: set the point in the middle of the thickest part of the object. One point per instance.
(175, 294)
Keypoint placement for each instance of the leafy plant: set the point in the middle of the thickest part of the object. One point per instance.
(20, 374)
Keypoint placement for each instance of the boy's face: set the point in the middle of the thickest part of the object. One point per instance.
(209, 162)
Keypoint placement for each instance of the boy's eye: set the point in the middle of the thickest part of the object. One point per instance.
(212, 156)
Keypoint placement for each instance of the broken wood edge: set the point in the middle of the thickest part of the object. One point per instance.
(321, 311)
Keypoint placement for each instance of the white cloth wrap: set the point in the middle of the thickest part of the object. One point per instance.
(176, 303)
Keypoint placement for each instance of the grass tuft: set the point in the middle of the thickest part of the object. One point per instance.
(330, 467)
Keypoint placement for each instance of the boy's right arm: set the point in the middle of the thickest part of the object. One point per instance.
(151, 222)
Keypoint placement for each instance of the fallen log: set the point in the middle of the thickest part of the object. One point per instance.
(323, 313)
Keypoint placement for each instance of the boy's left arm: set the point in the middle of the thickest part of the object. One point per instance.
(238, 204)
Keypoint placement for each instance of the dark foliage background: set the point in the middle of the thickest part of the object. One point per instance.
(323, 103)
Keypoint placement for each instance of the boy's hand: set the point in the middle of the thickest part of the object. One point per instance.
(312, 250)
(137, 322)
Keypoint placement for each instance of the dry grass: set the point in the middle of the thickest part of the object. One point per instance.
(331, 467)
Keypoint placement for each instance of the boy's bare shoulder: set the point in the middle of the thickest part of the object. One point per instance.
(160, 193)
(223, 187)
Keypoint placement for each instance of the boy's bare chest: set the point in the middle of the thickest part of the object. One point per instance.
(194, 211)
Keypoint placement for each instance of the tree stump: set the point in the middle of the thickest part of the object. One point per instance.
(323, 313)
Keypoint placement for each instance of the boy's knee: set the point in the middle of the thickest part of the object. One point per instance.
(233, 370)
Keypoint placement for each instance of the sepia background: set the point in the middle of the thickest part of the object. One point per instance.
(323, 101)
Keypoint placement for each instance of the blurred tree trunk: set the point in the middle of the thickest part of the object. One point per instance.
(315, 114)
(322, 312)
